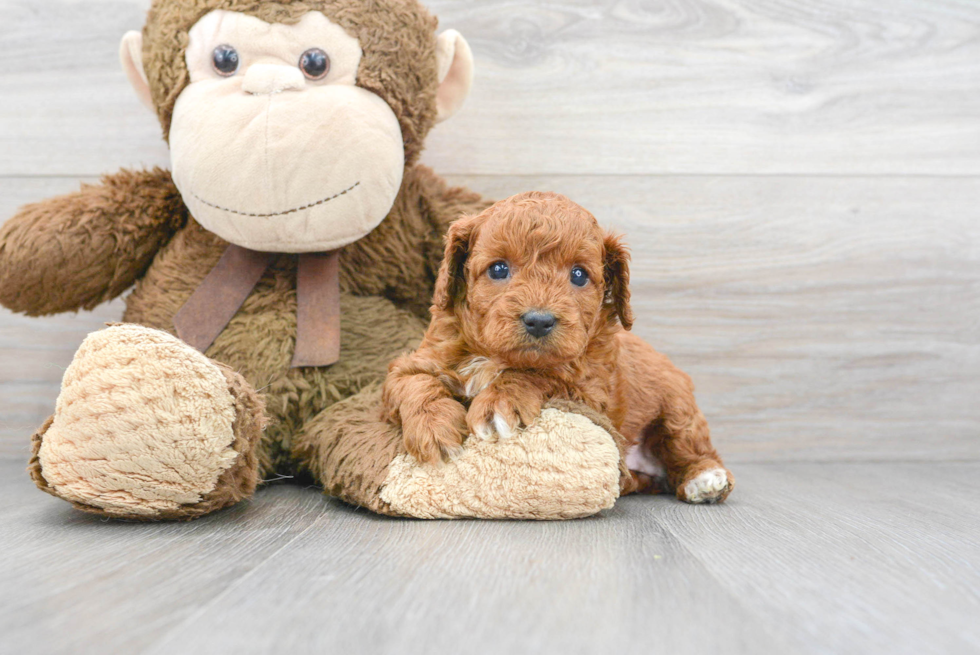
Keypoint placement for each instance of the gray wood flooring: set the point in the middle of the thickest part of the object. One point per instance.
(806, 558)
(800, 184)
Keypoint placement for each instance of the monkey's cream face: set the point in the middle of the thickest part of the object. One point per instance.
(273, 145)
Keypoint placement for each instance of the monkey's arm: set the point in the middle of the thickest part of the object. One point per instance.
(79, 250)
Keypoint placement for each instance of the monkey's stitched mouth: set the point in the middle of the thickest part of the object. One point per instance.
(289, 211)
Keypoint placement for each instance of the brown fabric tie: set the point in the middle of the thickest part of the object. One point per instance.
(219, 297)
(317, 310)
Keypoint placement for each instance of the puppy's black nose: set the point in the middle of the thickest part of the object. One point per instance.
(539, 324)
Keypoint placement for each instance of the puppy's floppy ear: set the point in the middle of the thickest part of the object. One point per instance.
(617, 272)
(451, 281)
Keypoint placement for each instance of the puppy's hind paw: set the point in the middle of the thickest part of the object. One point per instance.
(710, 486)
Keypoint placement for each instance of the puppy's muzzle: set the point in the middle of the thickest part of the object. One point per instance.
(539, 324)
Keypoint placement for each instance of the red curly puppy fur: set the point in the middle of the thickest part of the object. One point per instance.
(532, 303)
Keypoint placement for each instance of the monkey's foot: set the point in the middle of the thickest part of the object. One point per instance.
(562, 466)
(148, 428)
(569, 463)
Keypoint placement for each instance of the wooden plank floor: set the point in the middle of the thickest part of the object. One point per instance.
(800, 183)
(806, 558)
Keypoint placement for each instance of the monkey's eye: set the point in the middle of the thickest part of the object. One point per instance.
(315, 63)
(498, 271)
(579, 277)
(225, 60)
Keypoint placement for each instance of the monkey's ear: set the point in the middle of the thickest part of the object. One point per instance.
(455, 60)
(451, 281)
(617, 275)
(131, 56)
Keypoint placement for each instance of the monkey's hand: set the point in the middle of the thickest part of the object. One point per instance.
(82, 249)
(510, 402)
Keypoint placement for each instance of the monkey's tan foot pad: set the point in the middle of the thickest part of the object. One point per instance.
(563, 466)
(148, 428)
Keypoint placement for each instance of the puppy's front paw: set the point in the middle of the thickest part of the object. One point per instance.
(436, 431)
(710, 486)
(492, 413)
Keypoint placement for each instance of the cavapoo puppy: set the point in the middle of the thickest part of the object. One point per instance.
(532, 303)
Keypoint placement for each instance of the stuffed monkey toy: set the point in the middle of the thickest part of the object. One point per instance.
(279, 266)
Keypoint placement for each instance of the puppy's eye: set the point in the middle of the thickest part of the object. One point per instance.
(579, 277)
(499, 271)
(315, 64)
(225, 60)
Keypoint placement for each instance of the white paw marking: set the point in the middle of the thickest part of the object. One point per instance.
(502, 427)
(483, 431)
(707, 487)
(478, 373)
(471, 389)
(471, 367)
(637, 459)
(498, 427)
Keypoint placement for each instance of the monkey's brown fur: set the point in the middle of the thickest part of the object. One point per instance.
(478, 364)
(397, 37)
(82, 249)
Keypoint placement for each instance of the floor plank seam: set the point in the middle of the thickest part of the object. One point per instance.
(765, 626)
(228, 590)
(779, 638)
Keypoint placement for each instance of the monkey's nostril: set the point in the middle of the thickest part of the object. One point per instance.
(539, 324)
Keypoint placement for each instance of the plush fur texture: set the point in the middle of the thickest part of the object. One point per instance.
(85, 248)
(397, 36)
(273, 163)
(570, 465)
(118, 414)
(480, 370)
(77, 251)
(568, 469)
(88, 247)
(387, 280)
